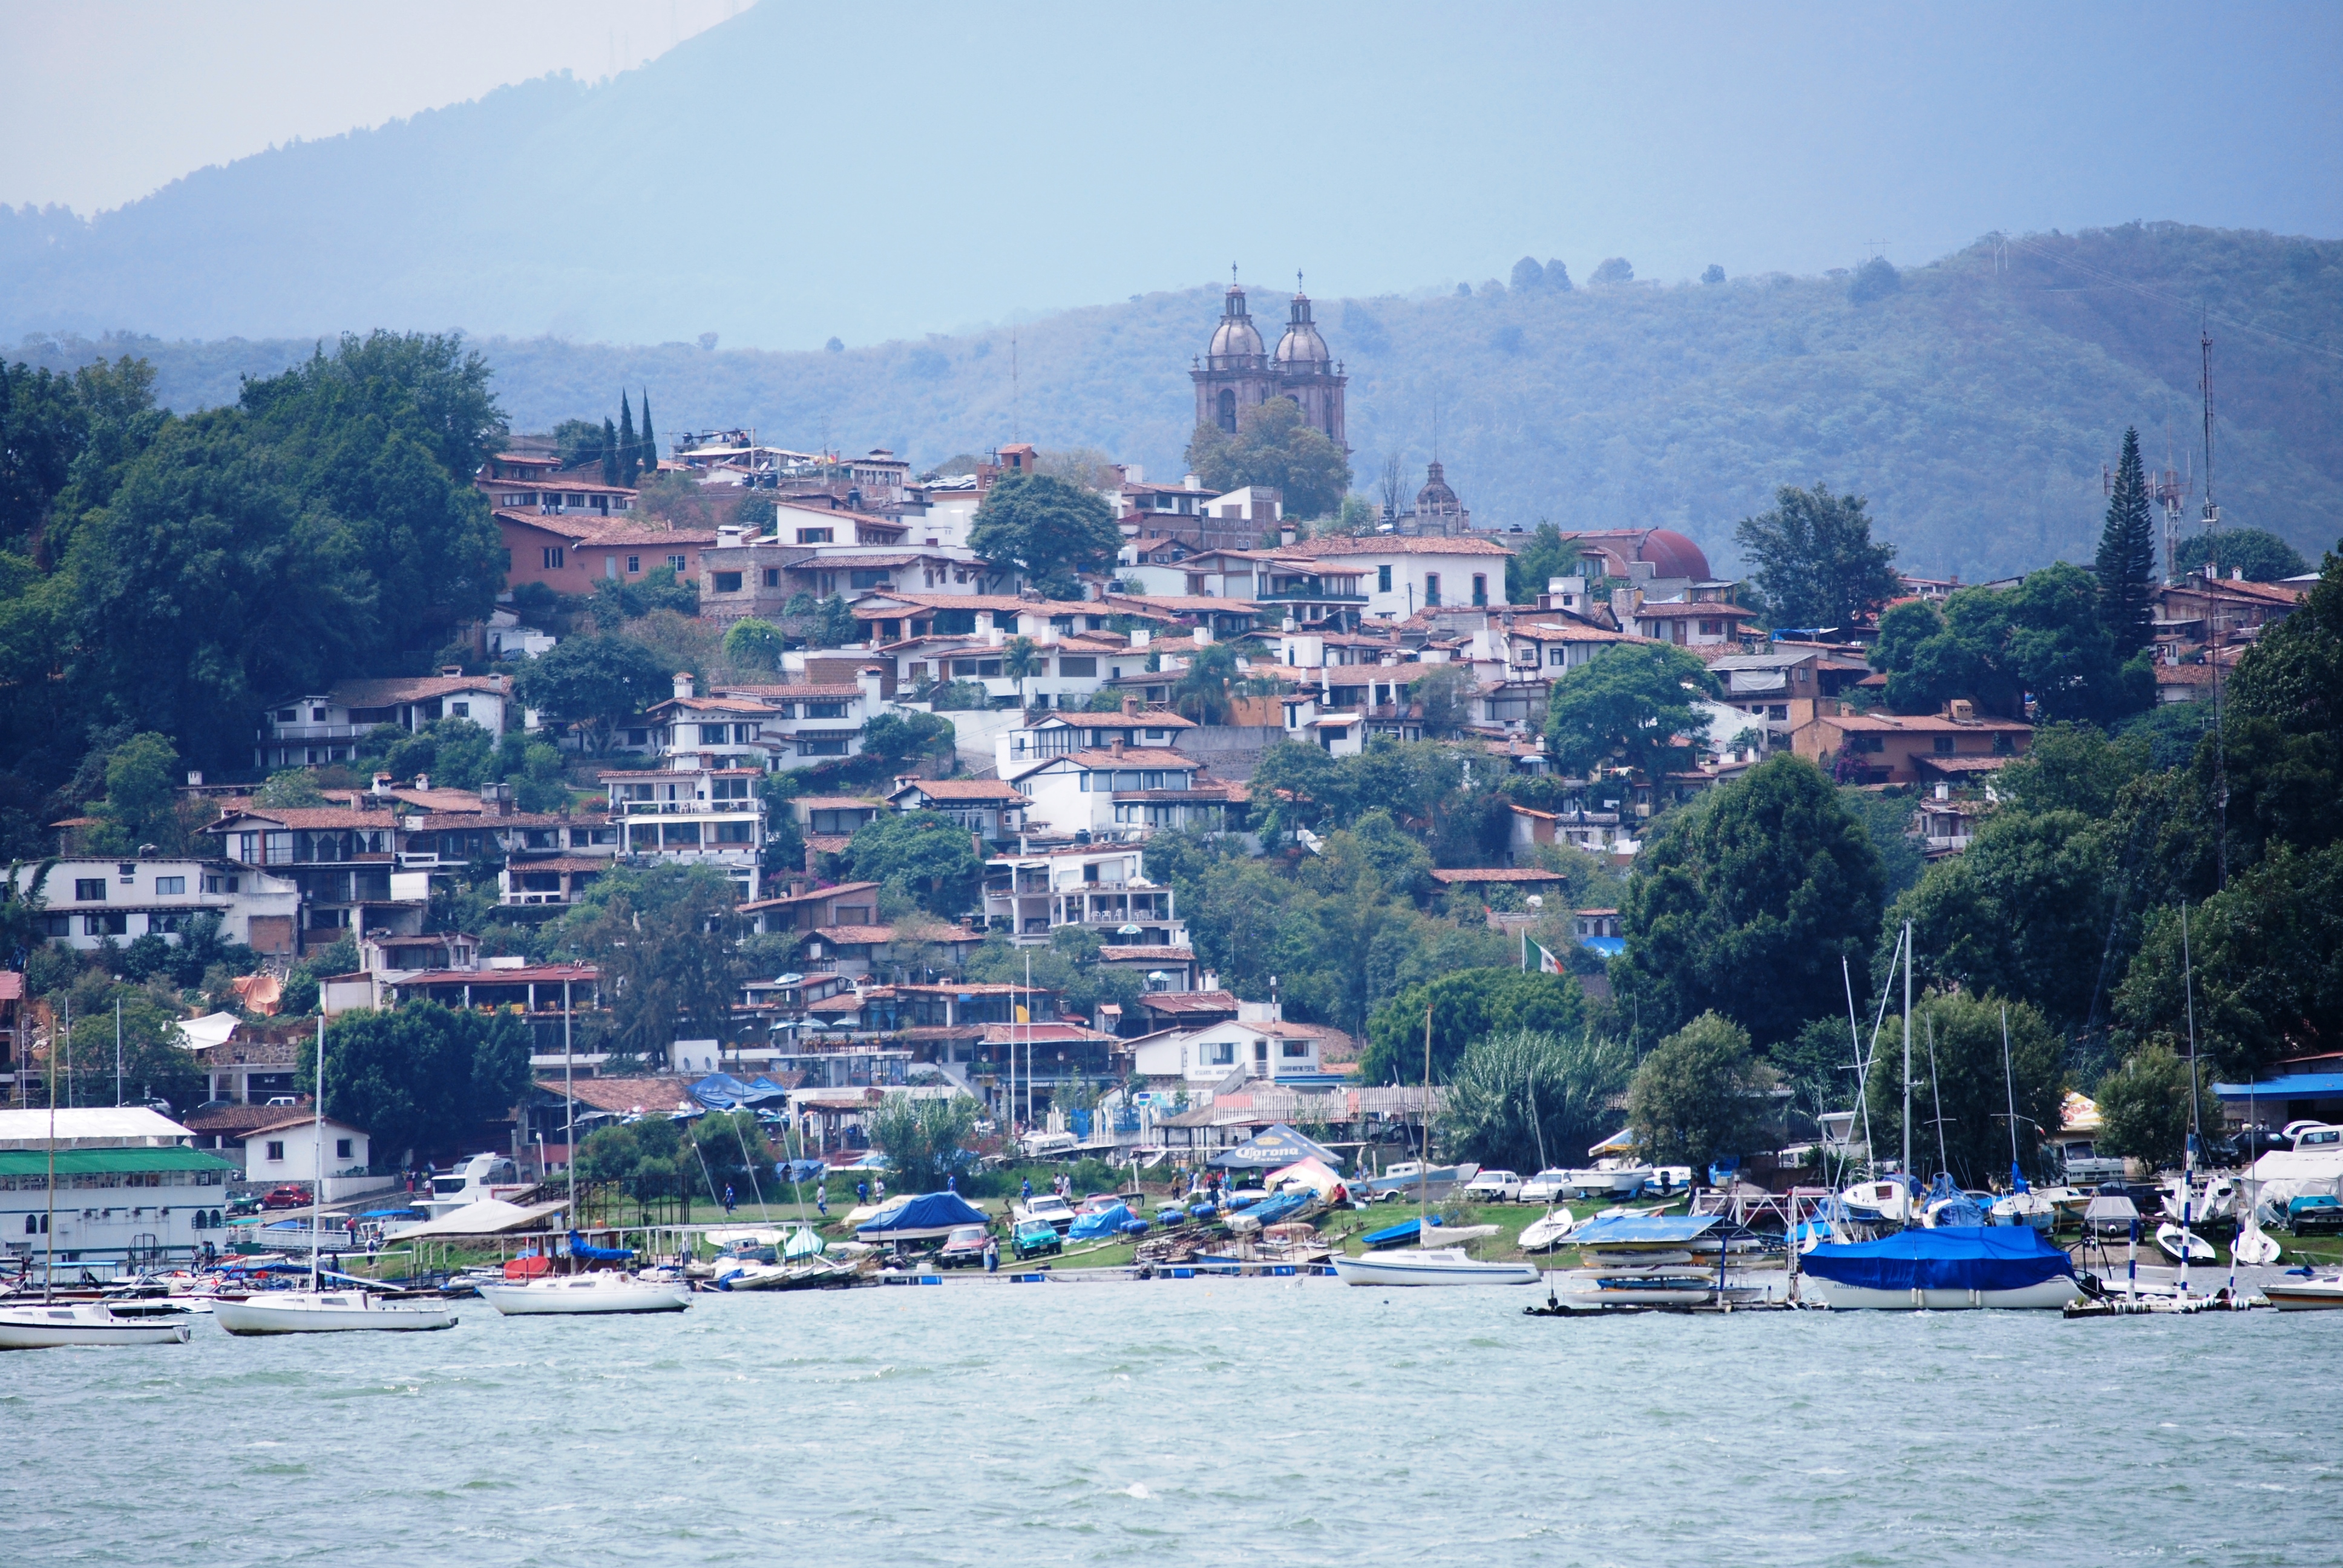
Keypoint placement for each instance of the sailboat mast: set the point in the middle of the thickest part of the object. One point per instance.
(2188, 1155)
(1907, 1068)
(317, 1153)
(1423, 1165)
(569, 1109)
(1937, 1094)
(49, 1223)
(2009, 1083)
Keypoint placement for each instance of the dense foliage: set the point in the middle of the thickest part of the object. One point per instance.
(422, 1078)
(1525, 1098)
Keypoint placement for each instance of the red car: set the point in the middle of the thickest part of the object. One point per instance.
(287, 1197)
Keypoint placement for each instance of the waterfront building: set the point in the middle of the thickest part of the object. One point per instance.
(131, 1191)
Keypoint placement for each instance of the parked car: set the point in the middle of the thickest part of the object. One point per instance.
(964, 1248)
(1051, 1210)
(245, 1203)
(1035, 1238)
(292, 1197)
(1495, 1187)
(1547, 1186)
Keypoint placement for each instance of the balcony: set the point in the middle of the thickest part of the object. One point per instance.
(688, 808)
(1290, 593)
(324, 731)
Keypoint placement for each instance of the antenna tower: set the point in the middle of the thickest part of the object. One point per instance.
(2213, 620)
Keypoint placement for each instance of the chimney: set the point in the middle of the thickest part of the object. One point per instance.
(1285, 533)
(1116, 747)
(683, 683)
(872, 680)
(451, 669)
(1130, 705)
(381, 785)
(1140, 637)
(1963, 710)
(195, 778)
(423, 781)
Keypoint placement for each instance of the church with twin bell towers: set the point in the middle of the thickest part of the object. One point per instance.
(1235, 374)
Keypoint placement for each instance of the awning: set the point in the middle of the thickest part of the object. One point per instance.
(488, 1217)
(1275, 1146)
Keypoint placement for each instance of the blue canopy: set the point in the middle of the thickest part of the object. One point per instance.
(1948, 1258)
(1642, 1230)
(1279, 1145)
(1104, 1222)
(917, 1218)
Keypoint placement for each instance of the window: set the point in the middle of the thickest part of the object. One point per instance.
(634, 563)
(1070, 665)
(89, 890)
(459, 710)
(1225, 1052)
(715, 734)
(728, 582)
(275, 1149)
(553, 557)
(675, 563)
(1944, 745)
(1866, 743)
(677, 834)
(1431, 589)
(1716, 629)
(1557, 655)
(730, 789)
(106, 925)
(772, 577)
(341, 1148)
(734, 832)
(810, 747)
(1383, 579)
(170, 887)
(1227, 405)
(1294, 1049)
(814, 536)
(216, 884)
(869, 579)
(825, 711)
(1480, 589)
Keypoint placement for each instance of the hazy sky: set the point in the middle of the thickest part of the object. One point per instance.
(965, 163)
(183, 84)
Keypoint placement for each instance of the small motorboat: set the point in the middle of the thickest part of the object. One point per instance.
(2306, 1292)
(1609, 1177)
(2184, 1246)
(2036, 1209)
(1879, 1202)
(58, 1325)
(328, 1312)
(1429, 1266)
(580, 1294)
(1548, 1230)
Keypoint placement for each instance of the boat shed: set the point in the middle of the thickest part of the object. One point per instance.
(131, 1192)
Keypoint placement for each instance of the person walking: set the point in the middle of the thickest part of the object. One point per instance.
(821, 1199)
(952, 1183)
(728, 1197)
(992, 1256)
(862, 1193)
(1025, 1190)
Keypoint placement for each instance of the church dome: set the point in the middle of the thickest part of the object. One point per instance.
(1672, 554)
(1235, 336)
(1436, 493)
(1301, 346)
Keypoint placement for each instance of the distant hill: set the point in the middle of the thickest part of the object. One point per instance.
(1974, 399)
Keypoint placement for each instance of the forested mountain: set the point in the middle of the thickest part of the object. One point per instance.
(1974, 399)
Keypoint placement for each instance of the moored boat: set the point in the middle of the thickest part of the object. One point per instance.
(582, 1294)
(1431, 1266)
(1947, 1269)
(328, 1311)
(2315, 1294)
(58, 1325)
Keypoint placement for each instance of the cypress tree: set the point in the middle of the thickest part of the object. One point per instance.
(610, 451)
(630, 459)
(650, 441)
(2126, 560)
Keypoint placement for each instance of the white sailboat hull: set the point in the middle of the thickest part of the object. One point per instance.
(2183, 1246)
(586, 1294)
(1549, 1232)
(38, 1328)
(1433, 1266)
(2322, 1295)
(2047, 1296)
(318, 1312)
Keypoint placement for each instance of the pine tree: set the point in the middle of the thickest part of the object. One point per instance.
(630, 457)
(650, 441)
(2127, 560)
(610, 451)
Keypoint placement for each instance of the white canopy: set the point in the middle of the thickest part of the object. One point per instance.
(488, 1217)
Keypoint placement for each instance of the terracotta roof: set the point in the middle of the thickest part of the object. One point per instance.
(1919, 723)
(625, 1094)
(856, 936)
(1145, 719)
(962, 790)
(842, 888)
(535, 972)
(712, 705)
(1042, 1034)
(12, 985)
(1196, 1001)
(988, 601)
(1395, 545)
(1471, 874)
(808, 692)
(563, 863)
(309, 818)
(1135, 757)
(388, 691)
(1154, 955)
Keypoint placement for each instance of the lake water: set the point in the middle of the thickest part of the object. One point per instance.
(1178, 1421)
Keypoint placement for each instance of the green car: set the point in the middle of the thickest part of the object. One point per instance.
(1036, 1237)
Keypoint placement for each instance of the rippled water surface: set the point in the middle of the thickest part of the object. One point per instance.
(1187, 1422)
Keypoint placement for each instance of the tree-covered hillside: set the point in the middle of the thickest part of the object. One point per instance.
(1974, 400)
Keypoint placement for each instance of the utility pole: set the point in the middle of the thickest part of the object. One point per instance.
(2213, 621)
(118, 1053)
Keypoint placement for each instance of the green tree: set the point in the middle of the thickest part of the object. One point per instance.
(1744, 903)
(630, 458)
(1272, 447)
(577, 442)
(2127, 561)
(897, 739)
(645, 1159)
(1547, 555)
(595, 683)
(1628, 706)
(1816, 562)
(753, 644)
(2144, 1106)
(288, 788)
(1021, 658)
(156, 1061)
(1446, 691)
(1701, 1096)
(1966, 1087)
(925, 1139)
(935, 858)
(611, 454)
(650, 440)
(1203, 691)
(421, 1077)
(1047, 529)
(667, 939)
(1465, 1007)
(729, 1149)
(2044, 637)
(141, 804)
(2262, 556)
(1524, 1098)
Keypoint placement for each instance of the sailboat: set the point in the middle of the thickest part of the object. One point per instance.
(1429, 1265)
(325, 1312)
(54, 1325)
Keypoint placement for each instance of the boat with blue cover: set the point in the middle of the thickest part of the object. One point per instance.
(1947, 1269)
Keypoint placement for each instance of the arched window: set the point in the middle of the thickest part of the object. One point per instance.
(1228, 410)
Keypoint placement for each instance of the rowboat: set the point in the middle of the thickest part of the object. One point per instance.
(328, 1312)
(56, 1325)
(1431, 1266)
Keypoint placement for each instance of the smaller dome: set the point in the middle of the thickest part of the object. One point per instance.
(1436, 493)
(1301, 346)
(1235, 336)
(1672, 554)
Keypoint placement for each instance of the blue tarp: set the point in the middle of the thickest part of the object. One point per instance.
(1642, 1230)
(1392, 1235)
(1949, 1258)
(1105, 1222)
(1279, 1206)
(722, 1091)
(586, 1253)
(928, 1214)
(1280, 1145)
